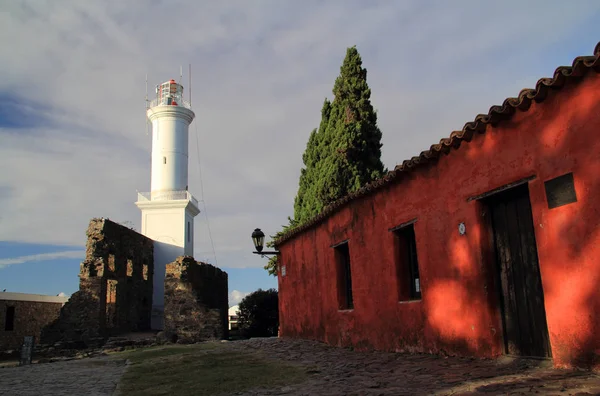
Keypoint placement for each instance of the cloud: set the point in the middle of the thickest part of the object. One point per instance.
(261, 70)
(68, 254)
(236, 296)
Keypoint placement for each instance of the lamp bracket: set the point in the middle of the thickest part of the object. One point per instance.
(266, 253)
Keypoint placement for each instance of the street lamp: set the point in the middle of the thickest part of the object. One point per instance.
(258, 237)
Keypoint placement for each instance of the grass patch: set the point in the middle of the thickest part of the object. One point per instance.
(140, 355)
(202, 369)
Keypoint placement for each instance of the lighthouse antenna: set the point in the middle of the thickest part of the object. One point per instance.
(190, 85)
(145, 117)
(180, 74)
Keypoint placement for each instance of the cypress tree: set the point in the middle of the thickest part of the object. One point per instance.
(353, 152)
(306, 204)
(344, 154)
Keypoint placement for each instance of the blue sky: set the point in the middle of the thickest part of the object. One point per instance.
(73, 142)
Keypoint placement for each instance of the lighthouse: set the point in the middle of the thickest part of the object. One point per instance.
(168, 210)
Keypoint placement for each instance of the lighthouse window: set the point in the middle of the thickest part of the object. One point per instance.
(165, 160)
(189, 231)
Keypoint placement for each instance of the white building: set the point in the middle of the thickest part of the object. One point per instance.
(232, 316)
(168, 210)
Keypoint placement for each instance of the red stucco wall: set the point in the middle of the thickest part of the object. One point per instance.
(459, 310)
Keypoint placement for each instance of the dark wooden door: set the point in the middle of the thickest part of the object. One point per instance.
(520, 283)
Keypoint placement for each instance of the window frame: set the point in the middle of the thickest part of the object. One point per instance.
(343, 265)
(406, 260)
(12, 310)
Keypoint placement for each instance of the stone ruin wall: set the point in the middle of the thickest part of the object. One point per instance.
(196, 301)
(115, 288)
(29, 319)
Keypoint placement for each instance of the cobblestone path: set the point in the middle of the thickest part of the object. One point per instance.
(86, 377)
(337, 371)
(332, 371)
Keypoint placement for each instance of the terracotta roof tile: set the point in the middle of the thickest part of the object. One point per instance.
(580, 66)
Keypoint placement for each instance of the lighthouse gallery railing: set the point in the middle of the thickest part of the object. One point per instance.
(166, 196)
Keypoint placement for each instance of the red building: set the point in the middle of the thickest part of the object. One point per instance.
(486, 244)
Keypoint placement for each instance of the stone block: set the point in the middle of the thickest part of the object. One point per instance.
(196, 301)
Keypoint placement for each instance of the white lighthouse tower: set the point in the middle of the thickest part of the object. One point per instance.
(168, 210)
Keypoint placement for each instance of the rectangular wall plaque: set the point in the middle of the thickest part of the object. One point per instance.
(560, 191)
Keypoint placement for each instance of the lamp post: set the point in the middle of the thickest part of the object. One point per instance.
(258, 237)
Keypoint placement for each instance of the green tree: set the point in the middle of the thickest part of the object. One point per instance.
(344, 153)
(306, 204)
(259, 314)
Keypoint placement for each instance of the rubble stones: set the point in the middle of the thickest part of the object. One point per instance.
(66, 350)
(165, 337)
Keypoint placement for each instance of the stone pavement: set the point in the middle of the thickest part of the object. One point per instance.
(337, 371)
(332, 371)
(89, 377)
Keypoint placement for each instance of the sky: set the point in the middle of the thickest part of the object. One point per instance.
(74, 141)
